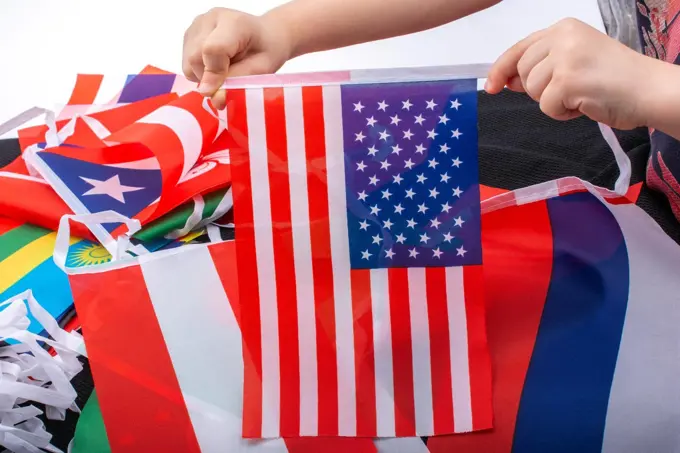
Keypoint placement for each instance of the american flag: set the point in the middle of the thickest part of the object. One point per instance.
(412, 180)
(358, 244)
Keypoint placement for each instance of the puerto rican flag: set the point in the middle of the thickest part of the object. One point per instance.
(143, 170)
(114, 140)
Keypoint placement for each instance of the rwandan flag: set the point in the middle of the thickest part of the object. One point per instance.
(583, 307)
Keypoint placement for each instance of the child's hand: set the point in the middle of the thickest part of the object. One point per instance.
(224, 42)
(573, 70)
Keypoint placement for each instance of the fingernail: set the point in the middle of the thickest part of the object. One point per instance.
(486, 85)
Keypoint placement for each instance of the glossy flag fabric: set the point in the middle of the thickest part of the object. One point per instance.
(26, 264)
(110, 108)
(587, 368)
(337, 189)
(162, 394)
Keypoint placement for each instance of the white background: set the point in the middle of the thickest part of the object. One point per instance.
(44, 43)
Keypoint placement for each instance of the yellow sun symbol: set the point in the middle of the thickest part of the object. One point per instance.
(88, 254)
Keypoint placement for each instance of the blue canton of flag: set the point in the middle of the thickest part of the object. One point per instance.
(99, 187)
(411, 172)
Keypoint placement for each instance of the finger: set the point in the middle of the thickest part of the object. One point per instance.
(533, 55)
(218, 49)
(538, 79)
(515, 84)
(192, 59)
(552, 104)
(505, 68)
(219, 99)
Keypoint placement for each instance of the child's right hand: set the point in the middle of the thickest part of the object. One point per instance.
(226, 43)
(572, 69)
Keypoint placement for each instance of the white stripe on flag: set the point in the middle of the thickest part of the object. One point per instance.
(211, 382)
(644, 403)
(337, 212)
(302, 247)
(420, 341)
(266, 274)
(110, 89)
(193, 315)
(382, 348)
(460, 367)
(187, 129)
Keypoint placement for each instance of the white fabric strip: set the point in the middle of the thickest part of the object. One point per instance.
(622, 160)
(302, 253)
(420, 346)
(204, 343)
(117, 248)
(382, 349)
(21, 119)
(266, 273)
(96, 126)
(185, 126)
(224, 206)
(458, 337)
(4, 174)
(644, 403)
(342, 284)
(214, 233)
(192, 221)
(538, 192)
(29, 373)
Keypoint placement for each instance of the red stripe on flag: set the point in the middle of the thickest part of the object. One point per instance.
(143, 412)
(364, 359)
(440, 354)
(322, 266)
(247, 264)
(402, 353)
(224, 258)
(7, 224)
(117, 118)
(478, 353)
(284, 264)
(39, 205)
(517, 243)
(86, 89)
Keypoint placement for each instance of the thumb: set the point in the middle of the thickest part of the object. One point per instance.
(218, 49)
(211, 81)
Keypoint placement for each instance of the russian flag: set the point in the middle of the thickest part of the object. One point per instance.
(583, 322)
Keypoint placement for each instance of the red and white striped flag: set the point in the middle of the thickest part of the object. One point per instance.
(343, 335)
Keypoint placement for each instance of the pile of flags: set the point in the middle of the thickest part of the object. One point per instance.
(366, 293)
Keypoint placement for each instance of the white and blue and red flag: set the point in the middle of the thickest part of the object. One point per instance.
(357, 210)
(142, 155)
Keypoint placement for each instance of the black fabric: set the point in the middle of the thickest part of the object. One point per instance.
(9, 150)
(518, 146)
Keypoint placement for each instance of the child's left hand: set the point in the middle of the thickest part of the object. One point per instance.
(573, 70)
